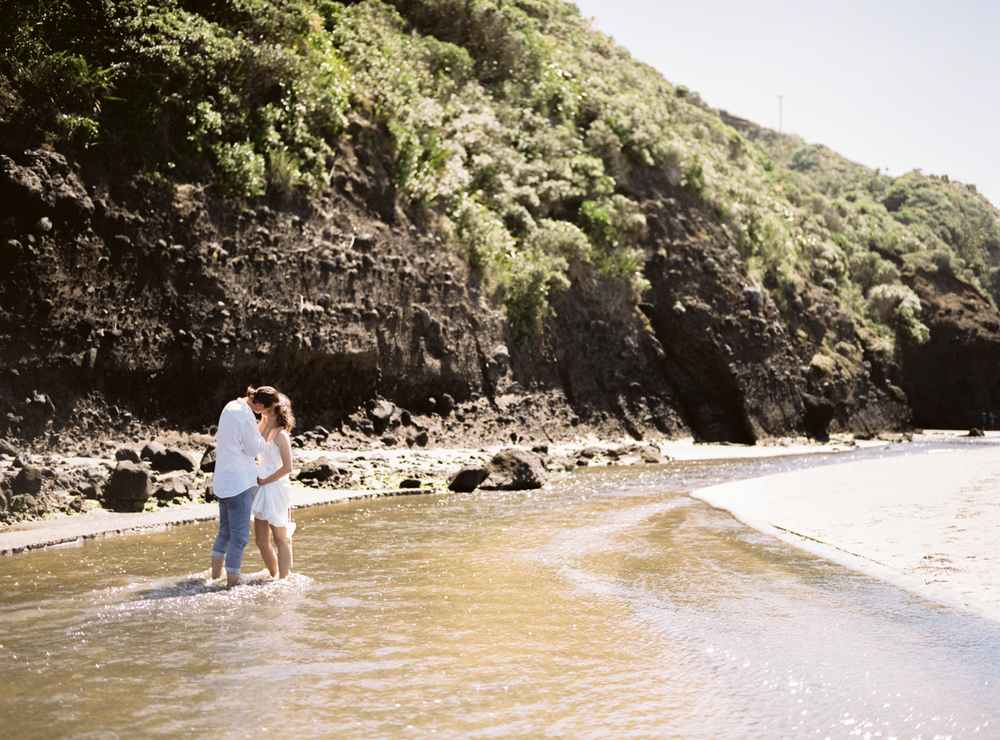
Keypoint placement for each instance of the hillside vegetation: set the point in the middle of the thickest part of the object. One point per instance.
(516, 131)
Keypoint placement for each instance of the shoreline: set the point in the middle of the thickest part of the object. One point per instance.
(928, 523)
(67, 530)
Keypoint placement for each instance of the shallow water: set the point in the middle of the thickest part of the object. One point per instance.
(613, 605)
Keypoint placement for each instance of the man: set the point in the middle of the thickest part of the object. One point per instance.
(237, 445)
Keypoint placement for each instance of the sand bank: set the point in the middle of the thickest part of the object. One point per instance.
(70, 530)
(928, 522)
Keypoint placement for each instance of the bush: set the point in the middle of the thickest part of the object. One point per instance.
(899, 308)
(868, 269)
(896, 197)
(241, 170)
(529, 279)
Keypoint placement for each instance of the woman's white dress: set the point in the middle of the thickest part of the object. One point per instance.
(272, 501)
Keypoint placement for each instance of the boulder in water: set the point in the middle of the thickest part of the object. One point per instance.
(515, 470)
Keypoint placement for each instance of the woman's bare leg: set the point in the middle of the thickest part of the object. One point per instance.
(284, 545)
(261, 532)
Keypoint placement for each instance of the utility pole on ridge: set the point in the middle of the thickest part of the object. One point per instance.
(779, 111)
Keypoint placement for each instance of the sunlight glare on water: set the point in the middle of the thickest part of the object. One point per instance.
(612, 605)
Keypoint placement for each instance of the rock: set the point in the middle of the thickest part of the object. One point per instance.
(28, 481)
(468, 479)
(819, 413)
(6, 448)
(446, 405)
(24, 504)
(11, 252)
(90, 491)
(421, 438)
(976, 432)
(754, 298)
(128, 488)
(650, 455)
(380, 415)
(42, 183)
(152, 450)
(409, 483)
(515, 470)
(174, 459)
(127, 454)
(318, 470)
(171, 488)
(3, 501)
(207, 464)
(164, 459)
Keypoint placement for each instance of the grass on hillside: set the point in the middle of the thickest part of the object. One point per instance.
(520, 133)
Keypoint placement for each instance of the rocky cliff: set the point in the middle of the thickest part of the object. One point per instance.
(158, 304)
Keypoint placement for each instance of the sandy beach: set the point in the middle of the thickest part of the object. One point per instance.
(928, 522)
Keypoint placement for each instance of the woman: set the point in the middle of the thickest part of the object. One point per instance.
(272, 500)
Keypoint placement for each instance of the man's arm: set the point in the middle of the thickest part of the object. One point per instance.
(253, 443)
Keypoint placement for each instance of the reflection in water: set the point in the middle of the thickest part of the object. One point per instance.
(611, 606)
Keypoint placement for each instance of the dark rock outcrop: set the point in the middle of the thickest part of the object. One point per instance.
(319, 470)
(953, 379)
(207, 464)
(171, 488)
(515, 470)
(468, 478)
(165, 459)
(28, 481)
(123, 454)
(128, 488)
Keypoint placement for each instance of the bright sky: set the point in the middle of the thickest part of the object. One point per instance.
(896, 84)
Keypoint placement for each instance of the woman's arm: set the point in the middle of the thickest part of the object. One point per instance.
(284, 443)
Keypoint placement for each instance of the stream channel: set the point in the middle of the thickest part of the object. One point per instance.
(609, 605)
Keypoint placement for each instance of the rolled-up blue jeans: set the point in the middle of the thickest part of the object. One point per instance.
(234, 529)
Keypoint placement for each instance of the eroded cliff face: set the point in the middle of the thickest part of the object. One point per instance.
(954, 379)
(165, 303)
(743, 369)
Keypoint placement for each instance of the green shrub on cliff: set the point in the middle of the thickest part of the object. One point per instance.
(521, 134)
(167, 83)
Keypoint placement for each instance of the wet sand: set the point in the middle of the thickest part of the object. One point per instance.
(927, 522)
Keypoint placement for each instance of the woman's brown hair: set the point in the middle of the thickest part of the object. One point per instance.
(265, 394)
(286, 419)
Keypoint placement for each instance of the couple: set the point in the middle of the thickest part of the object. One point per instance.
(243, 486)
